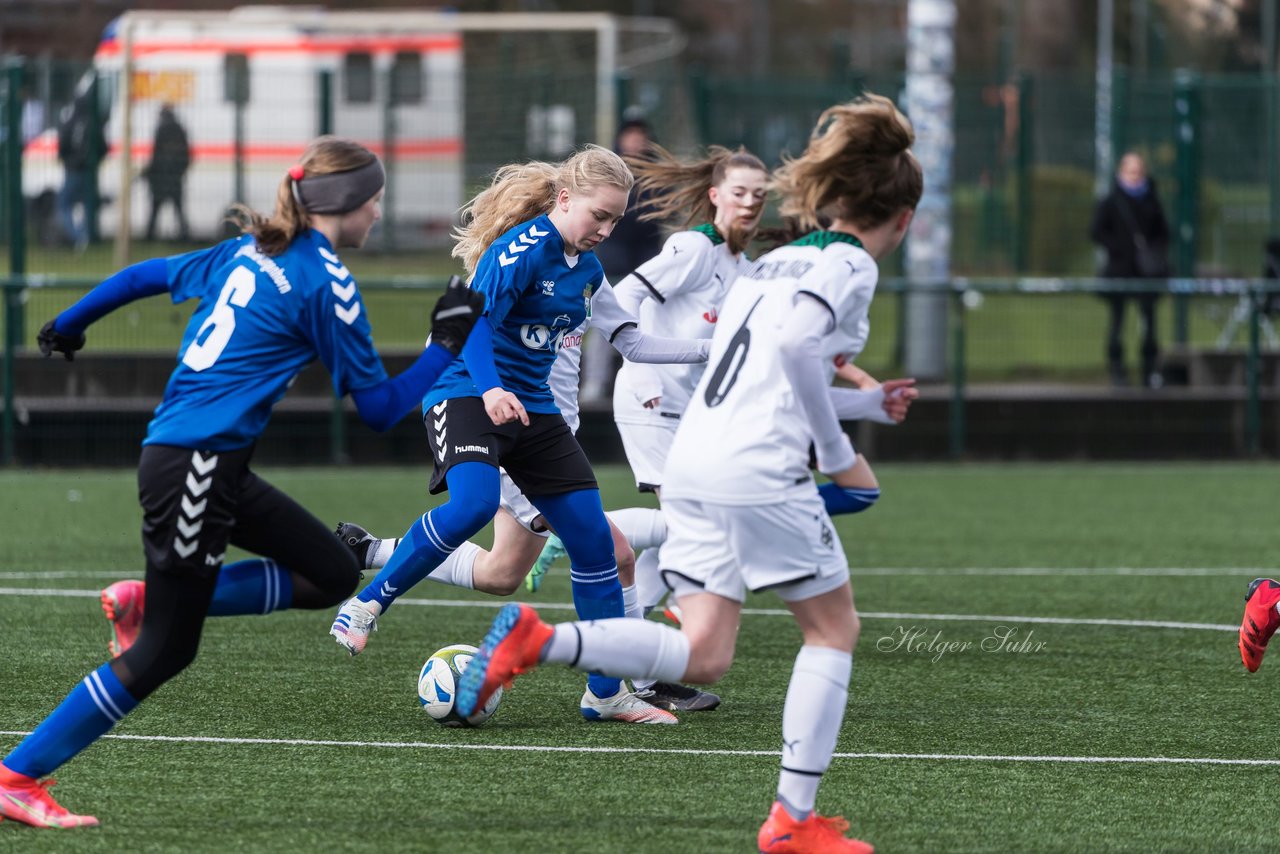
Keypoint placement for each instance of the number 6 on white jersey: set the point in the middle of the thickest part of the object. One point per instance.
(216, 330)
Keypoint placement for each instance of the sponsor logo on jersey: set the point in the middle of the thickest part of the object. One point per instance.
(471, 449)
(548, 288)
(711, 315)
(539, 336)
(568, 341)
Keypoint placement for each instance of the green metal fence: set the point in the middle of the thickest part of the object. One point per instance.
(1030, 338)
(1023, 160)
(1023, 196)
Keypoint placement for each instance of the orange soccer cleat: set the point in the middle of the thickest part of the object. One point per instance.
(28, 800)
(1260, 621)
(122, 602)
(511, 647)
(782, 834)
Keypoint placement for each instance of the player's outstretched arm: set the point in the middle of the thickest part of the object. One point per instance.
(452, 321)
(65, 333)
(623, 331)
(886, 403)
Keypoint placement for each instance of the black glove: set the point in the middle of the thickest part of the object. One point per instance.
(51, 340)
(455, 315)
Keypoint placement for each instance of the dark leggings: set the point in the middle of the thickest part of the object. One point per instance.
(1115, 335)
(266, 522)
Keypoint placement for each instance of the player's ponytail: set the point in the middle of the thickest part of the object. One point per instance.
(678, 190)
(858, 167)
(326, 155)
(524, 191)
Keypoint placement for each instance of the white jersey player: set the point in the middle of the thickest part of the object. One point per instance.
(743, 510)
(679, 291)
(745, 437)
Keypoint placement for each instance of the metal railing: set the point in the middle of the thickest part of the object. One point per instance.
(1042, 334)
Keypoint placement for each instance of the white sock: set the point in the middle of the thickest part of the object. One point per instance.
(631, 603)
(458, 568)
(811, 721)
(381, 553)
(622, 647)
(649, 584)
(643, 527)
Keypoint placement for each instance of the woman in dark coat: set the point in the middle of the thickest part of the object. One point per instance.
(1130, 225)
(170, 158)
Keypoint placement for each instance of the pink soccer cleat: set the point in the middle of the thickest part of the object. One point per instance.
(512, 646)
(27, 800)
(122, 602)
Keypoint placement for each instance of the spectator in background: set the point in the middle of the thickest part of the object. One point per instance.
(81, 145)
(1129, 224)
(633, 242)
(166, 173)
(33, 117)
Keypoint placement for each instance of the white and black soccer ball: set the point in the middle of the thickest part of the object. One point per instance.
(438, 687)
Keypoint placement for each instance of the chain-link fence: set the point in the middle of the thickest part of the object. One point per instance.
(445, 110)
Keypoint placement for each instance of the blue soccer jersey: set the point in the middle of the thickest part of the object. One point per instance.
(260, 321)
(535, 295)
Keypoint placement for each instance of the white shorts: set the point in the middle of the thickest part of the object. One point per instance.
(521, 508)
(646, 446)
(791, 548)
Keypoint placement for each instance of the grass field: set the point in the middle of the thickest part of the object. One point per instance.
(1131, 727)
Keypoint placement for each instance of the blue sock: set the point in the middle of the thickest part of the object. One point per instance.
(578, 519)
(257, 586)
(599, 600)
(840, 500)
(98, 703)
(473, 501)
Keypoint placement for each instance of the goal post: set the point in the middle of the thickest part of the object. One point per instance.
(443, 97)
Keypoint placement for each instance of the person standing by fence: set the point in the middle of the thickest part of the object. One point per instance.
(1129, 224)
(81, 146)
(167, 171)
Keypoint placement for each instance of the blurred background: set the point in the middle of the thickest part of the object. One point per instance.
(129, 128)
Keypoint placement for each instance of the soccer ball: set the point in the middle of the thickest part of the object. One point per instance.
(438, 687)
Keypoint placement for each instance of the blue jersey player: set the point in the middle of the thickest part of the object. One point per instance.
(528, 238)
(271, 302)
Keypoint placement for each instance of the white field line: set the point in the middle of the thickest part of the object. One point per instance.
(534, 748)
(757, 612)
(867, 572)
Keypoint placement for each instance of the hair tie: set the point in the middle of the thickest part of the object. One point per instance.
(296, 172)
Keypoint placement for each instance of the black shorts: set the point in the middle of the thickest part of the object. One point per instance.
(195, 503)
(189, 500)
(543, 458)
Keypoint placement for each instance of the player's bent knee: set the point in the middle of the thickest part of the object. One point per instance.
(707, 670)
(502, 585)
(709, 660)
(332, 577)
(151, 667)
(626, 559)
(473, 514)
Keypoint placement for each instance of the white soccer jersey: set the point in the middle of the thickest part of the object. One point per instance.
(743, 438)
(676, 294)
(608, 318)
